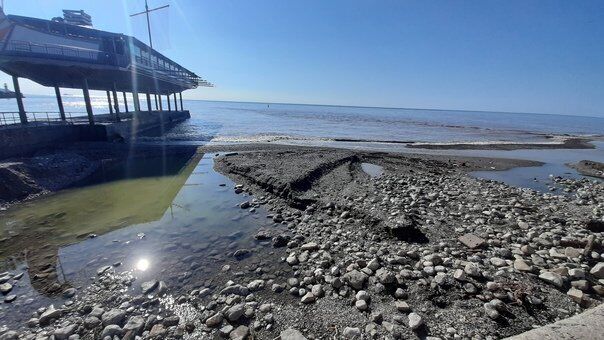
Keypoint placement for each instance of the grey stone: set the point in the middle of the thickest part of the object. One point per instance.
(472, 241)
(291, 334)
(114, 316)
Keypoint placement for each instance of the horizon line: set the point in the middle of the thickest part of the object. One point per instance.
(368, 107)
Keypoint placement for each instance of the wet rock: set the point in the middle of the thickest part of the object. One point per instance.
(214, 321)
(10, 298)
(235, 312)
(149, 286)
(114, 316)
(5, 288)
(111, 331)
(240, 254)
(102, 270)
(226, 330)
(171, 321)
(9, 335)
(162, 288)
(235, 289)
(69, 293)
(50, 314)
(158, 331)
(280, 241)
(64, 332)
(91, 322)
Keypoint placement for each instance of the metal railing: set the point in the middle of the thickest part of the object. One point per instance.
(9, 118)
(60, 52)
(50, 49)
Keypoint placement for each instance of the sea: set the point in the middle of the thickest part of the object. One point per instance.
(367, 128)
(239, 121)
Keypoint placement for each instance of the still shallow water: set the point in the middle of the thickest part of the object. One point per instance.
(180, 228)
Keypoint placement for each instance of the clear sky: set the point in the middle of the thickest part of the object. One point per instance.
(519, 56)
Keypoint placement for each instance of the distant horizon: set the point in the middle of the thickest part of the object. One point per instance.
(338, 105)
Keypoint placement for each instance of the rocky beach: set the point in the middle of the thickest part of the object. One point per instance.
(358, 245)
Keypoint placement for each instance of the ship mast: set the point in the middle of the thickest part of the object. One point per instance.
(147, 11)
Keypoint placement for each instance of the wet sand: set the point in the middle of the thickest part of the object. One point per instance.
(557, 143)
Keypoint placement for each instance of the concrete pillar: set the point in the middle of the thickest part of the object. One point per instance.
(175, 103)
(137, 103)
(149, 102)
(60, 103)
(22, 115)
(125, 101)
(117, 104)
(109, 103)
(156, 106)
(169, 106)
(161, 105)
(181, 106)
(87, 101)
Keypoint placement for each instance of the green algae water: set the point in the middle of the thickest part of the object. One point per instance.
(173, 219)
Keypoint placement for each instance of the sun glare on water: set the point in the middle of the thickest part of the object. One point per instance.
(142, 264)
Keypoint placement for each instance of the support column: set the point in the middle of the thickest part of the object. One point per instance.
(22, 115)
(161, 105)
(169, 106)
(116, 103)
(181, 106)
(125, 102)
(137, 103)
(109, 103)
(60, 103)
(149, 102)
(156, 106)
(175, 103)
(87, 101)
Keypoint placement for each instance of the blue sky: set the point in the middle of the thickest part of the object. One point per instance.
(519, 56)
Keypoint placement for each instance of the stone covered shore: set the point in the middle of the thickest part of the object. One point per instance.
(420, 250)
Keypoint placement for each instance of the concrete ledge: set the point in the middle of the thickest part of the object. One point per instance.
(587, 325)
(23, 140)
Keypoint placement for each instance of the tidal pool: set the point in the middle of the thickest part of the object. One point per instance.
(169, 219)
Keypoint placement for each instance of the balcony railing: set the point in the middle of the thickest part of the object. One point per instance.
(9, 118)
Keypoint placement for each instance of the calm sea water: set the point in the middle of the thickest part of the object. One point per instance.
(232, 121)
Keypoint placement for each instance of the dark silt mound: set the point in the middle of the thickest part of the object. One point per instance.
(589, 168)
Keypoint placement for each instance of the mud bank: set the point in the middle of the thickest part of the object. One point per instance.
(55, 169)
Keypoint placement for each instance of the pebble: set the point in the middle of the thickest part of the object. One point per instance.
(415, 321)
